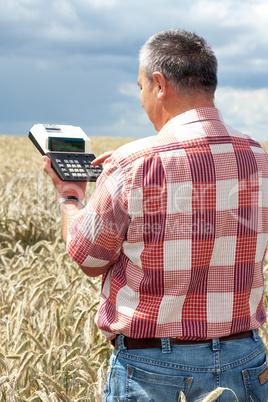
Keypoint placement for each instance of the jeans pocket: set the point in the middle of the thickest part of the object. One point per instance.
(256, 389)
(146, 386)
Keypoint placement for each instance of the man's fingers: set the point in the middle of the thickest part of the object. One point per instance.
(64, 188)
(48, 168)
(46, 163)
(100, 159)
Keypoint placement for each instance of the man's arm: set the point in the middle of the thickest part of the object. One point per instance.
(70, 208)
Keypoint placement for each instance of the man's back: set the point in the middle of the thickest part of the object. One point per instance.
(192, 232)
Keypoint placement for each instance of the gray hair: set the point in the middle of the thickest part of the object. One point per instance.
(185, 59)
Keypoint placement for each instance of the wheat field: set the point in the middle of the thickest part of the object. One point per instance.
(50, 348)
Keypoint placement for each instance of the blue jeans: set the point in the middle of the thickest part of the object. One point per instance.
(160, 374)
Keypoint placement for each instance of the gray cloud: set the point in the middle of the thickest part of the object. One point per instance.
(75, 61)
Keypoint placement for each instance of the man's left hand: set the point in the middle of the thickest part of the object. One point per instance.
(64, 188)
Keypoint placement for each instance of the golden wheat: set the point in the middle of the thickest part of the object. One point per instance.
(50, 348)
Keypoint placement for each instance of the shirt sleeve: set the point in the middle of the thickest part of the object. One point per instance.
(98, 231)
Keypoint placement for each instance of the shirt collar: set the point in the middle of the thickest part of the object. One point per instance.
(192, 116)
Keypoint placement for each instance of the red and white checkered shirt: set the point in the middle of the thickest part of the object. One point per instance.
(183, 217)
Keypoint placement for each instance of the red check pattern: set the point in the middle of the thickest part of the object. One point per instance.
(183, 217)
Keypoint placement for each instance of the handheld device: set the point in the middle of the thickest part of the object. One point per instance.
(69, 149)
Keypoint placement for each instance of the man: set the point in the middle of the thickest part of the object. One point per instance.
(178, 226)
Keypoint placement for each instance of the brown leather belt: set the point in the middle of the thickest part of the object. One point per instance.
(145, 343)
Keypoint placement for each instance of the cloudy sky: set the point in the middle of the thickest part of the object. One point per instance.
(76, 61)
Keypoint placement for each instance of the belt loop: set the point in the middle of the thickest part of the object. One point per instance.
(255, 335)
(216, 344)
(120, 342)
(165, 343)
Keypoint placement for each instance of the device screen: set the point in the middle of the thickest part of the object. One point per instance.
(66, 144)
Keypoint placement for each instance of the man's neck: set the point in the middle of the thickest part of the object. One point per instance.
(180, 104)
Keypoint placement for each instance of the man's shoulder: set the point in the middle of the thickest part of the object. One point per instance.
(173, 134)
(137, 150)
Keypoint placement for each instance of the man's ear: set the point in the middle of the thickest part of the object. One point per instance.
(161, 84)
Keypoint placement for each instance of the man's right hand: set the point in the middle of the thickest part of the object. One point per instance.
(102, 158)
